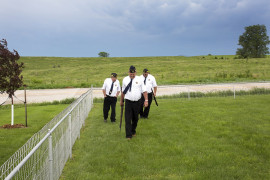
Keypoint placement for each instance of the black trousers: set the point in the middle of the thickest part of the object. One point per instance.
(144, 112)
(109, 102)
(131, 117)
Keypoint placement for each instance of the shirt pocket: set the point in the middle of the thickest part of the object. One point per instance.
(136, 85)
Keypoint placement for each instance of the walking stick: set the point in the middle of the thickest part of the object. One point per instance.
(121, 116)
(154, 97)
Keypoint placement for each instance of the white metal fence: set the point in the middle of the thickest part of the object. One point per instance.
(44, 155)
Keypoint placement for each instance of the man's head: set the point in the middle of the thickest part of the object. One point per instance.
(113, 76)
(145, 72)
(132, 72)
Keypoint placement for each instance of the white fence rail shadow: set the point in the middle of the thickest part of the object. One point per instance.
(44, 155)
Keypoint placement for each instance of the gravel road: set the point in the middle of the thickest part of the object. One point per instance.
(49, 95)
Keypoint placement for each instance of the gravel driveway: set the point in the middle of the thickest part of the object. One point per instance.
(49, 95)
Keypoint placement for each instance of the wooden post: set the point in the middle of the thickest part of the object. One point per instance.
(25, 105)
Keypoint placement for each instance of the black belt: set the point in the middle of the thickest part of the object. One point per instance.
(148, 93)
(110, 96)
(131, 101)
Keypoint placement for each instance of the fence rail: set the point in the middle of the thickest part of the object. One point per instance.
(44, 155)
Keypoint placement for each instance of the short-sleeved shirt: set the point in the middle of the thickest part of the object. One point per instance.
(108, 84)
(136, 89)
(149, 83)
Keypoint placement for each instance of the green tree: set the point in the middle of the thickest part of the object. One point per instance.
(254, 42)
(10, 72)
(103, 54)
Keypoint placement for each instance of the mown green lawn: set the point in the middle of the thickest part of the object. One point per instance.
(12, 139)
(59, 72)
(202, 138)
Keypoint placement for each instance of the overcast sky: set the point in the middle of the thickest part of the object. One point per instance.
(124, 28)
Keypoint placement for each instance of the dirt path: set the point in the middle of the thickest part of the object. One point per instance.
(49, 95)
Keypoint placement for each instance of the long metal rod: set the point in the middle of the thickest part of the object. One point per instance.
(17, 168)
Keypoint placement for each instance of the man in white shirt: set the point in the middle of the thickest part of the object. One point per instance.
(132, 89)
(111, 89)
(151, 86)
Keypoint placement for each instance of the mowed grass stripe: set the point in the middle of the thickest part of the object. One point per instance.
(206, 138)
(59, 72)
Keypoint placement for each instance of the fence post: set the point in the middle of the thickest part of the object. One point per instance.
(83, 112)
(70, 135)
(50, 157)
(79, 121)
(25, 105)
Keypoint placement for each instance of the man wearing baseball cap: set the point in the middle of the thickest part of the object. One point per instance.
(132, 89)
(151, 86)
(111, 89)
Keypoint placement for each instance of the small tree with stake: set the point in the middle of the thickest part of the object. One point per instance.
(10, 73)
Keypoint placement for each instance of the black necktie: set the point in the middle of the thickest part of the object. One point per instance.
(111, 89)
(145, 81)
(128, 87)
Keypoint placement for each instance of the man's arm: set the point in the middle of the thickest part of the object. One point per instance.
(145, 94)
(104, 88)
(104, 92)
(117, 94)
(118, 89)
(122, 94)
(155, 86)
(155, 91)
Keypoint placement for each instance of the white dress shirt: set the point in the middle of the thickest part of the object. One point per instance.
(150, 82)
(136, 89)
(107, 87)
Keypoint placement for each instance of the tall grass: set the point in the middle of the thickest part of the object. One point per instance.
(58, 72)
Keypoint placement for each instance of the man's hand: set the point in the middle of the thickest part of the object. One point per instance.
(154, 94)
(121, 103)
(145, 103)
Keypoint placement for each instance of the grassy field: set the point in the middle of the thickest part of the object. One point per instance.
(12, 139)
(58, 72)
(201, 138)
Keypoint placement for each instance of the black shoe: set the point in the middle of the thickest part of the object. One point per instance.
(113, 121)
(105, 120)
